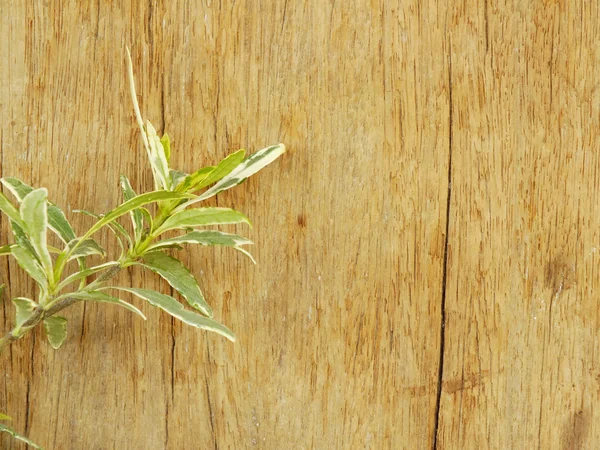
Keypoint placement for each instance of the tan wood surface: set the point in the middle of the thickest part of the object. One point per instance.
(427, 247)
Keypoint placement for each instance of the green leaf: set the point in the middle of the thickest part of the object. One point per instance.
(175, 309)
(140, 200)
(86, 248)
(8, 208)
(136, 214)
(84, 274)
(4, 417)
(5, 250)
(195, 179)
(166, 143)
(98, 296)
(224, 168)
(179, 277)
(205, 237)
(34, 214)
(25, 307)
(56, 330)
(158, 159)
(29, 264)
(57, 221)
(201, 217)
(249, 167)
(14, 434)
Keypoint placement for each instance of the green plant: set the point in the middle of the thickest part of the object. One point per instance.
(175, 192)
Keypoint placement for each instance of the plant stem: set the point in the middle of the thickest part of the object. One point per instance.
(40, 313)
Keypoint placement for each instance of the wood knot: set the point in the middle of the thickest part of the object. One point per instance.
(560, 274)
(301, 220)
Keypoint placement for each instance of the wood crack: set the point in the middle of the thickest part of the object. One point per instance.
(445, 264)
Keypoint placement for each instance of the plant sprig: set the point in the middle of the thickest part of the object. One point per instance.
(33, 215)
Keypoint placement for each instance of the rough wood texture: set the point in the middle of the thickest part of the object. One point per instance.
(427, 246)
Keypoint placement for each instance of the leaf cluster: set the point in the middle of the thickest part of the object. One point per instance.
(176, 198)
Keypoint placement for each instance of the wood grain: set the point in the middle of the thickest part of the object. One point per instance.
(426, 246)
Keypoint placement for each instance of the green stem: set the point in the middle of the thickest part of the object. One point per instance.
(40, 313)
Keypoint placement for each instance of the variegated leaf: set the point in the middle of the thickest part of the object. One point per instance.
(86, 248)
(205, 237)
(24, 307)
(132, 204)
(34, 215)
(179, 277)
(116, 228)
(158, 160)
(224, 168)
(177, 176)
(175, 309)
(195, 179)
(98, 296)
(22, 239)
(250, 166)
(56, 330)
(202, 217)
(209, 175)
(84, 274)
(57, 221)
(9, 209)
(30, 265)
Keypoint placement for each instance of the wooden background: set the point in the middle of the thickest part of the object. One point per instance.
(428, 267)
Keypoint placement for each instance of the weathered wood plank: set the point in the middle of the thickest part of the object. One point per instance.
(520, 369)
(339, 324)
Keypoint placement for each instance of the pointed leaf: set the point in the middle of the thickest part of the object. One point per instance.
(25, 307)
(175, 309)
(4, 417)
(201, 217)
(5, 250)
(86, 248)
(249, 167)
(98, 296)
(30, 265)
(34, 214)
(57, 221)
(204, 237)
(136, 214)
(56, 330)
(17, 436)
(179, 277)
